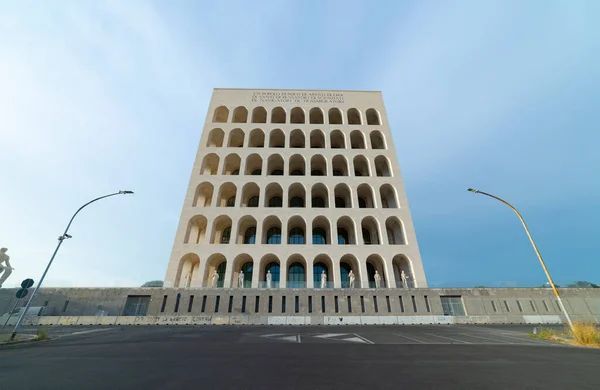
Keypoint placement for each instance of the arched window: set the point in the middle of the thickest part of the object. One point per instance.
(382, 167)
(377, 141)
(240, 115)
(257, 139)
(250, 235)
(221, 114)
(319, 236)
(275, 272)
(362, 203)
(371, 274)
(354, 117)
(236, 138)
(278, 115)
(274, 235)
(318, 269)
(297, 165)
(276, 139)
(339, 166)
(226, 235)
(297, 115)
(317, 201)
(372, 117)
(343, 238)
(215, 138)
(335, 116)
(345, 269)
(296, 139)
(296, 276)
(275, 201)
(253, 201)
(296, 201)
(296, 236)
(247, 269)
(366, 236)
(230, 202)
(317, 139)
(357, 140)
(340, 202)
(337, 140)
(316, 115)
(259, 115)
(221, 271)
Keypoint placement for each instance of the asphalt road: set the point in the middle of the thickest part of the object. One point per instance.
(287, 357)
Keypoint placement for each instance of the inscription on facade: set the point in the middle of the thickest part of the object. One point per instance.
(297, 97)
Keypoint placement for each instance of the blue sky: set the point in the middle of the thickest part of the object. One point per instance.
(498, 95)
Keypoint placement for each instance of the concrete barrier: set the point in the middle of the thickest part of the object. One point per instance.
(388, 320)
(276, 320)
(295, 320)
(342, 320)
(125, 320)
(238, 320)
(49, 320)
(67, 320)
(106, 320)
(86, 320)
(258, 320)
(220, 320)
(201, 320)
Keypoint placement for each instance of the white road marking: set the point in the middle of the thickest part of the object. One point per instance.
(448, 338)
(526, 341)
(327, 335)
(486, 338)
(362, 338)
(272, 335)
(410, 338)
(84, 332)
(355, 339)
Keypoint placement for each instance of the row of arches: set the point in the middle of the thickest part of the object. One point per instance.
(294, 231)
(295, 196)
(296, 115)
(294, 272)
(236, 138)
(296, 165)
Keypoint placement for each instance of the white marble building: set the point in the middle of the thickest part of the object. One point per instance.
(292, 183)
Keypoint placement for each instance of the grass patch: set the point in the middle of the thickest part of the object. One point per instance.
(42, 334)
(586, 334)
(583, 334)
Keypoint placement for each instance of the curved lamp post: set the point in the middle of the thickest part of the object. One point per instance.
(537, 252)
(60, 241)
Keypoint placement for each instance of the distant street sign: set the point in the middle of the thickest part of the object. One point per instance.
(27, 283)
(22, 293)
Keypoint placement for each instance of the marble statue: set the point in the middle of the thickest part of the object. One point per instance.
(351, 279)
(404, 278)
(323, 279)
(215, 279)
(269, 278)
(241, 279)
(188, 280)
(377, 278)
(5, 270)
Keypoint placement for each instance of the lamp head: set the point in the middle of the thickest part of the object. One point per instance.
(472, 190)
(125, 192)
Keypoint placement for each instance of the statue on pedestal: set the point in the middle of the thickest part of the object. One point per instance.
(351, 279)
(269, 278)
(5, 270)
(188, 280)
(377, 278)
(241, 279)
(215, 279)
(323, 279)
(404, 278)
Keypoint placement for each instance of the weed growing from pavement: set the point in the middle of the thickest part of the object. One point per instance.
(583, 334)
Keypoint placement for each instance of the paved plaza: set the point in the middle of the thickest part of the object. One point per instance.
(288, 357)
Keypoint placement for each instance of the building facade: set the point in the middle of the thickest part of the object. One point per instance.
(295, 189)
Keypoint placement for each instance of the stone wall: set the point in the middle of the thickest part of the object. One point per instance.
(66, 306)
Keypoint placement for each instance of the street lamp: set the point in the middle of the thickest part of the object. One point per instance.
(60, 241)
(537, 252)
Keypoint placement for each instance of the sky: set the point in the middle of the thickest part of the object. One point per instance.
(502, 96)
